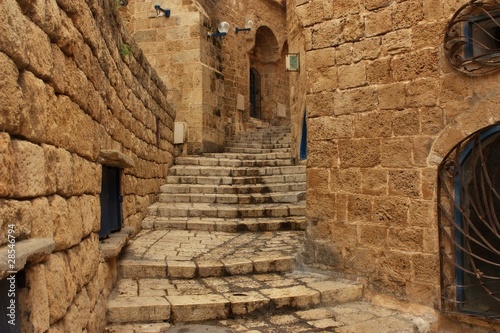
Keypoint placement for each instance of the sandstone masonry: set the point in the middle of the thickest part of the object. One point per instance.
(73, 86)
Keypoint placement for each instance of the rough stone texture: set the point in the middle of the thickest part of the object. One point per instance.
(67, 94)
(378, 170)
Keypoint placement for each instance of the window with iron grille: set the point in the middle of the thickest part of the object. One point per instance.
(469, 225)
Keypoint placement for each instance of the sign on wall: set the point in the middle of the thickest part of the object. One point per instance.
(293, 62)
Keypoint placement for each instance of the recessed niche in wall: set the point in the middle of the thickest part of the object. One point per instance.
(472, 39)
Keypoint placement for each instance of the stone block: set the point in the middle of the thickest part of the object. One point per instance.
(243, 303)
(83, 260)
(376, 4)
(29, 169)
(144, 268)
(363, 153)
(423, 63)
(13, 103)
(199, 307)
(316, 154)
(345, 180)
(237, 266)
(42, 225)
(343, 54)
(323, 58)
(397, 153)
(378, 23)
(391, 211)
(403, 239)
(320, 205)
(395, 265)
(7, 164)
(422, 92)
(431, 120)
(359, 208)
(24, 42)
(405, 182)
(297, 297)
(407, 14)
(138, 309)
(392, 96)
(61, 288)
(318, 180)
(366, 49)
(396, 42)
(86, 176)
(425, 268)
(323, 79)
(352, 76)
(66, 233)
(29, 251)
(379, 71)
(181, 269)
(58, 161)
(337, 292)
(210, 268)
(373, 124)
(315, 12)
(38, 299)
(328, 128)
(355, 100)
(374, 182)
(327, 34)
(372, 237)
(343, 8)
(421, 149)
(321, 104)
(406, 123)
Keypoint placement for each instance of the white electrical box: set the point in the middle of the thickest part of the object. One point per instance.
(240, 102)
(180, 132)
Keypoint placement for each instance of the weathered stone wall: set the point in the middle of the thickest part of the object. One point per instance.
(207, 74)
(72, 85)
(383, 108)
(298, 81)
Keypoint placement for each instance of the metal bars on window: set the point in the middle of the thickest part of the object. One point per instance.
(469, 225)
(472, 38)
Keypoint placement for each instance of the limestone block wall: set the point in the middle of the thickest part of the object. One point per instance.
(298, 81)
(383, 109)
(73, 84)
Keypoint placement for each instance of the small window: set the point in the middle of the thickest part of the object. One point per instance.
(111, 212)
(483, 34)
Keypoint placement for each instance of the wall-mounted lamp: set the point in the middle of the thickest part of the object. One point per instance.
(162, 12)
(247, 28)
(223, 29)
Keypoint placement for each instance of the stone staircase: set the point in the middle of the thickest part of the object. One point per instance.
(221, 244)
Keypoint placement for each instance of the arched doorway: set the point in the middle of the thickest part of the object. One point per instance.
(255, 94)
(469, 221)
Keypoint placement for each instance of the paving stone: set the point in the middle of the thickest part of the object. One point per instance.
(132, 309)
(198, 307)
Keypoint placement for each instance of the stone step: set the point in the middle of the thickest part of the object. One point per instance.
(232, 189)
(256, 145)
(226, 162)
(242, 156)
(180, 300)
(226, 211)
(239, 150)
(205, 180)
(351, 317)
(210, 171)
(224, 224)
(242, 199)
(189, 253)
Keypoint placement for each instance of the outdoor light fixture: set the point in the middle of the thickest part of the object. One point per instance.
(223, 29)
(247, 28)
(162, 12)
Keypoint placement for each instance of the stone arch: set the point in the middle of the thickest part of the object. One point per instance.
(483, 115)
(266, 49)
(268, 59)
